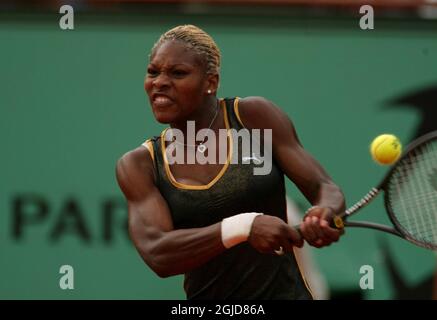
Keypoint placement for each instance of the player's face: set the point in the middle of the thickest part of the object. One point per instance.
(176, 82)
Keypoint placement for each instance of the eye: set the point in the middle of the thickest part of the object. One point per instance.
(180, 73)
(152, 72)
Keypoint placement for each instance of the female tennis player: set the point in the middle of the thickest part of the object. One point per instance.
(220, 223)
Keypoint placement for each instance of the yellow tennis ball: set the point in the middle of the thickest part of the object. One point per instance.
(386, 149)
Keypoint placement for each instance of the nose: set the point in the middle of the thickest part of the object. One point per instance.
(162, 80)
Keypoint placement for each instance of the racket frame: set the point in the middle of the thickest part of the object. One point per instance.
(397, 230)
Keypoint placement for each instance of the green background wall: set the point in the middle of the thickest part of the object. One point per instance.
(72, 102)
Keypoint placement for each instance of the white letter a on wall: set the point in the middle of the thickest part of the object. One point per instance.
(67, 20)
(366, 281)
(67, 280)
(366, 21)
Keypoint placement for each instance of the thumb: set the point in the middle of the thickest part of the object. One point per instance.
(295, 236)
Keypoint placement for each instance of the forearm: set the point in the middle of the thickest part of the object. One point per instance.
(330, 195)
(179, 251)
(319, 188)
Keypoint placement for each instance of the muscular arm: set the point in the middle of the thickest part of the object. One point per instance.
(299, 166)
(165, 250)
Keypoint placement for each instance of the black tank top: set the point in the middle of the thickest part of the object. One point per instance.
(240, 272)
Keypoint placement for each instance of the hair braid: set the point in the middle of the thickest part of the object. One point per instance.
(197, 39)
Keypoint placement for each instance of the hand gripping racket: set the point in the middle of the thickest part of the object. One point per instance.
(410, 195)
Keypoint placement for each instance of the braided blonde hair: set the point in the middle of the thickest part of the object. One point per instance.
(198, 40)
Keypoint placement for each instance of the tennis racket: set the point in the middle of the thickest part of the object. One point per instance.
(410, 196)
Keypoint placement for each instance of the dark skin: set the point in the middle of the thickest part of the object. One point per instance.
(177, 85)
(300, 167)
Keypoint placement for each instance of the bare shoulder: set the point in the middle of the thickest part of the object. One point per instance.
(135, 171)
(255, 103)
(259, 112)
(136, 159)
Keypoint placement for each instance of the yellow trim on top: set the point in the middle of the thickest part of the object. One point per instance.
(150, 148)
(237, 112)
(219, 175)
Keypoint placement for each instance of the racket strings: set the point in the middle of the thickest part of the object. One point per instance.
(412, 193)
(412, 184)
(421, 222)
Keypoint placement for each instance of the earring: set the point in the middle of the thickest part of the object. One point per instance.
(209, 91)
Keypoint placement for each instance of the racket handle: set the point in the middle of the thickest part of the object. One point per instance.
(337, 223)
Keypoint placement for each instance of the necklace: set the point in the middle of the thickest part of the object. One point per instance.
(201, 147)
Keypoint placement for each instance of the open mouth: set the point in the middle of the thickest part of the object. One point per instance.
(161, 101)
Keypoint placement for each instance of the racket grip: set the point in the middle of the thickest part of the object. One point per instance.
(337, 223)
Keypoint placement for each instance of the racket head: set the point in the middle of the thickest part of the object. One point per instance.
(410, 192)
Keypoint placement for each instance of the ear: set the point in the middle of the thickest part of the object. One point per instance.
(212, 83)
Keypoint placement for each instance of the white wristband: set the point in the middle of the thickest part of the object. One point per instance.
(236, 229)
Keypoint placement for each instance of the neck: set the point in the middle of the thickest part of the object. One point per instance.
(202, 117)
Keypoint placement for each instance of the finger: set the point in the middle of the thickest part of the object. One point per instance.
(289, 237)
(311, 224)
(266, 248)
(295, 239)
(307, 232)
(312, 236)
(324, 234)
(316, 211)
(315, 226)
(288, 245)
(329, 234)
(319, 243)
